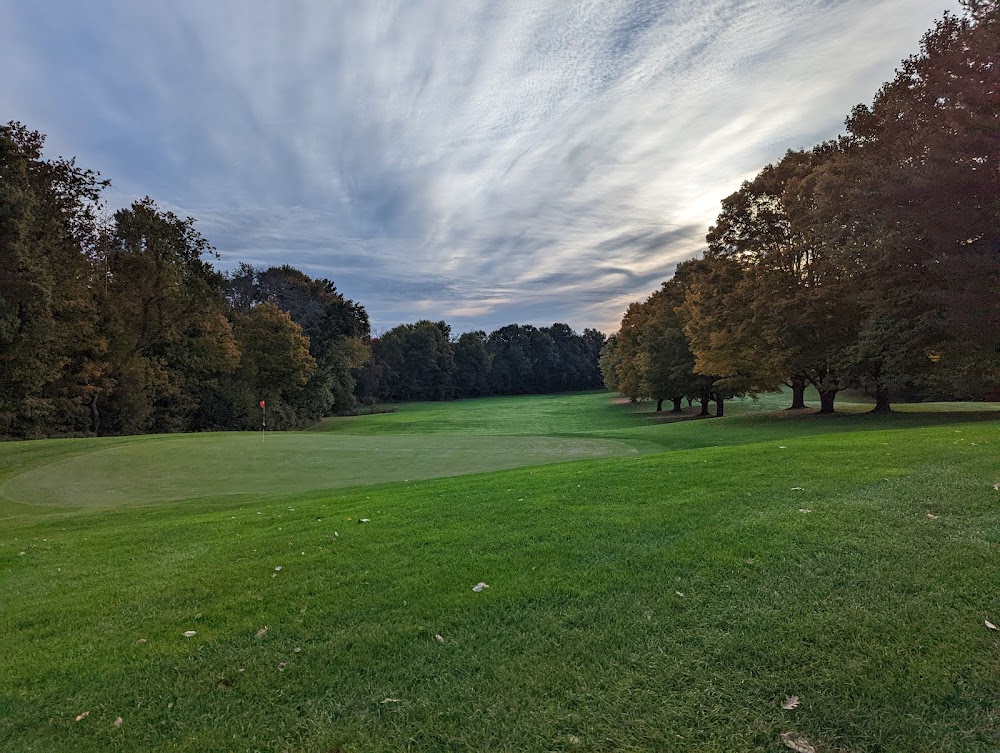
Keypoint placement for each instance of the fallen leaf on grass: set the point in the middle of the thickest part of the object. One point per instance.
(796, 742)
(679, 593)
(798, 489)
(277, 569)
(990, 625)
(574, 740)
(282, 665)
(790, 702)
(803, 509)
(119, 722)
(932, 516)
(190, 633)
(20, 554)
(439, 638)
(262, 632)
(480, 587)
(391, 700)
(996, 485)
(364, 520)
(140, 641)
(297, 650)
(83, 716)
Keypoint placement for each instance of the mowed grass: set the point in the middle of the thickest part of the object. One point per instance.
(666, 601)
(208, 465)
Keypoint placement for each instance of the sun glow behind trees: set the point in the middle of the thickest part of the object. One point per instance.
(868, 262)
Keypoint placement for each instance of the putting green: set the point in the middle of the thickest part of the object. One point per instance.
(206, 465)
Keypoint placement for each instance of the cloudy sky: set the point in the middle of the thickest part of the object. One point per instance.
(480, 161)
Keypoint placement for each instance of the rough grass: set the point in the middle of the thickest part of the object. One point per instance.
(663, 602)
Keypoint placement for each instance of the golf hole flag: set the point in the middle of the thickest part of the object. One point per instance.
(263, 417)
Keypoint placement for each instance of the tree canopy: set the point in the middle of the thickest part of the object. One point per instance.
(870, 262)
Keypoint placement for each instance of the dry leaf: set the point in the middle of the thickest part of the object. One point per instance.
(803, 509)
(439, 638)
(990, 625)
(996, 485)
(119, 721)
(297, 650)
(364, 520)
(797, 489)
(198, 616)
(83, 716)
(574, 740)
(796, 742)
(140, 641)
(479, 587)
(790, 702)
(262, 632)
(679, 593)
(277, 569)
(932, 516)
(391, 700)
(190, 633)
(282, 665)
(170, 705)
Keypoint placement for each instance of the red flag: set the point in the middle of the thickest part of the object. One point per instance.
(261, 403)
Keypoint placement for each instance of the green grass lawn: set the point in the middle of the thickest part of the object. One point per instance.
(643, 601)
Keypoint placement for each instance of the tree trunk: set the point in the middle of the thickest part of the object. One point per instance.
(826, 398)
(677, 404)
(718, 406)
(95, 416)
(881, 403)
(659, 404)
(798, 393)
(704, 406)
(690, 401)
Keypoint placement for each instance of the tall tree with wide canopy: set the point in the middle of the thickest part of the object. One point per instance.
(472, 364)
(50, 354)
(275, 366)
(337, 328)
(524, 359)
(418, 362)
(163, 318)
(915, 204)
(650, 356)
(772, 303)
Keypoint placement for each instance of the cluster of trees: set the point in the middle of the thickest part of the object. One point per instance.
(422, 361)
(120, 324)
(870, 262)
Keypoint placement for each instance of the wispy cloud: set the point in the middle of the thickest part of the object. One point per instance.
(483, 162)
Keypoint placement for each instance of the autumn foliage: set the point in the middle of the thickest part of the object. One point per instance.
(869, 262)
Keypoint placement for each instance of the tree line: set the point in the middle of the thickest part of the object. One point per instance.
(869, 262)
(422, 361)
(119, 324)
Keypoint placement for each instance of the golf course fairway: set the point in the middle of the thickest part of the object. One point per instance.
(701, 585)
